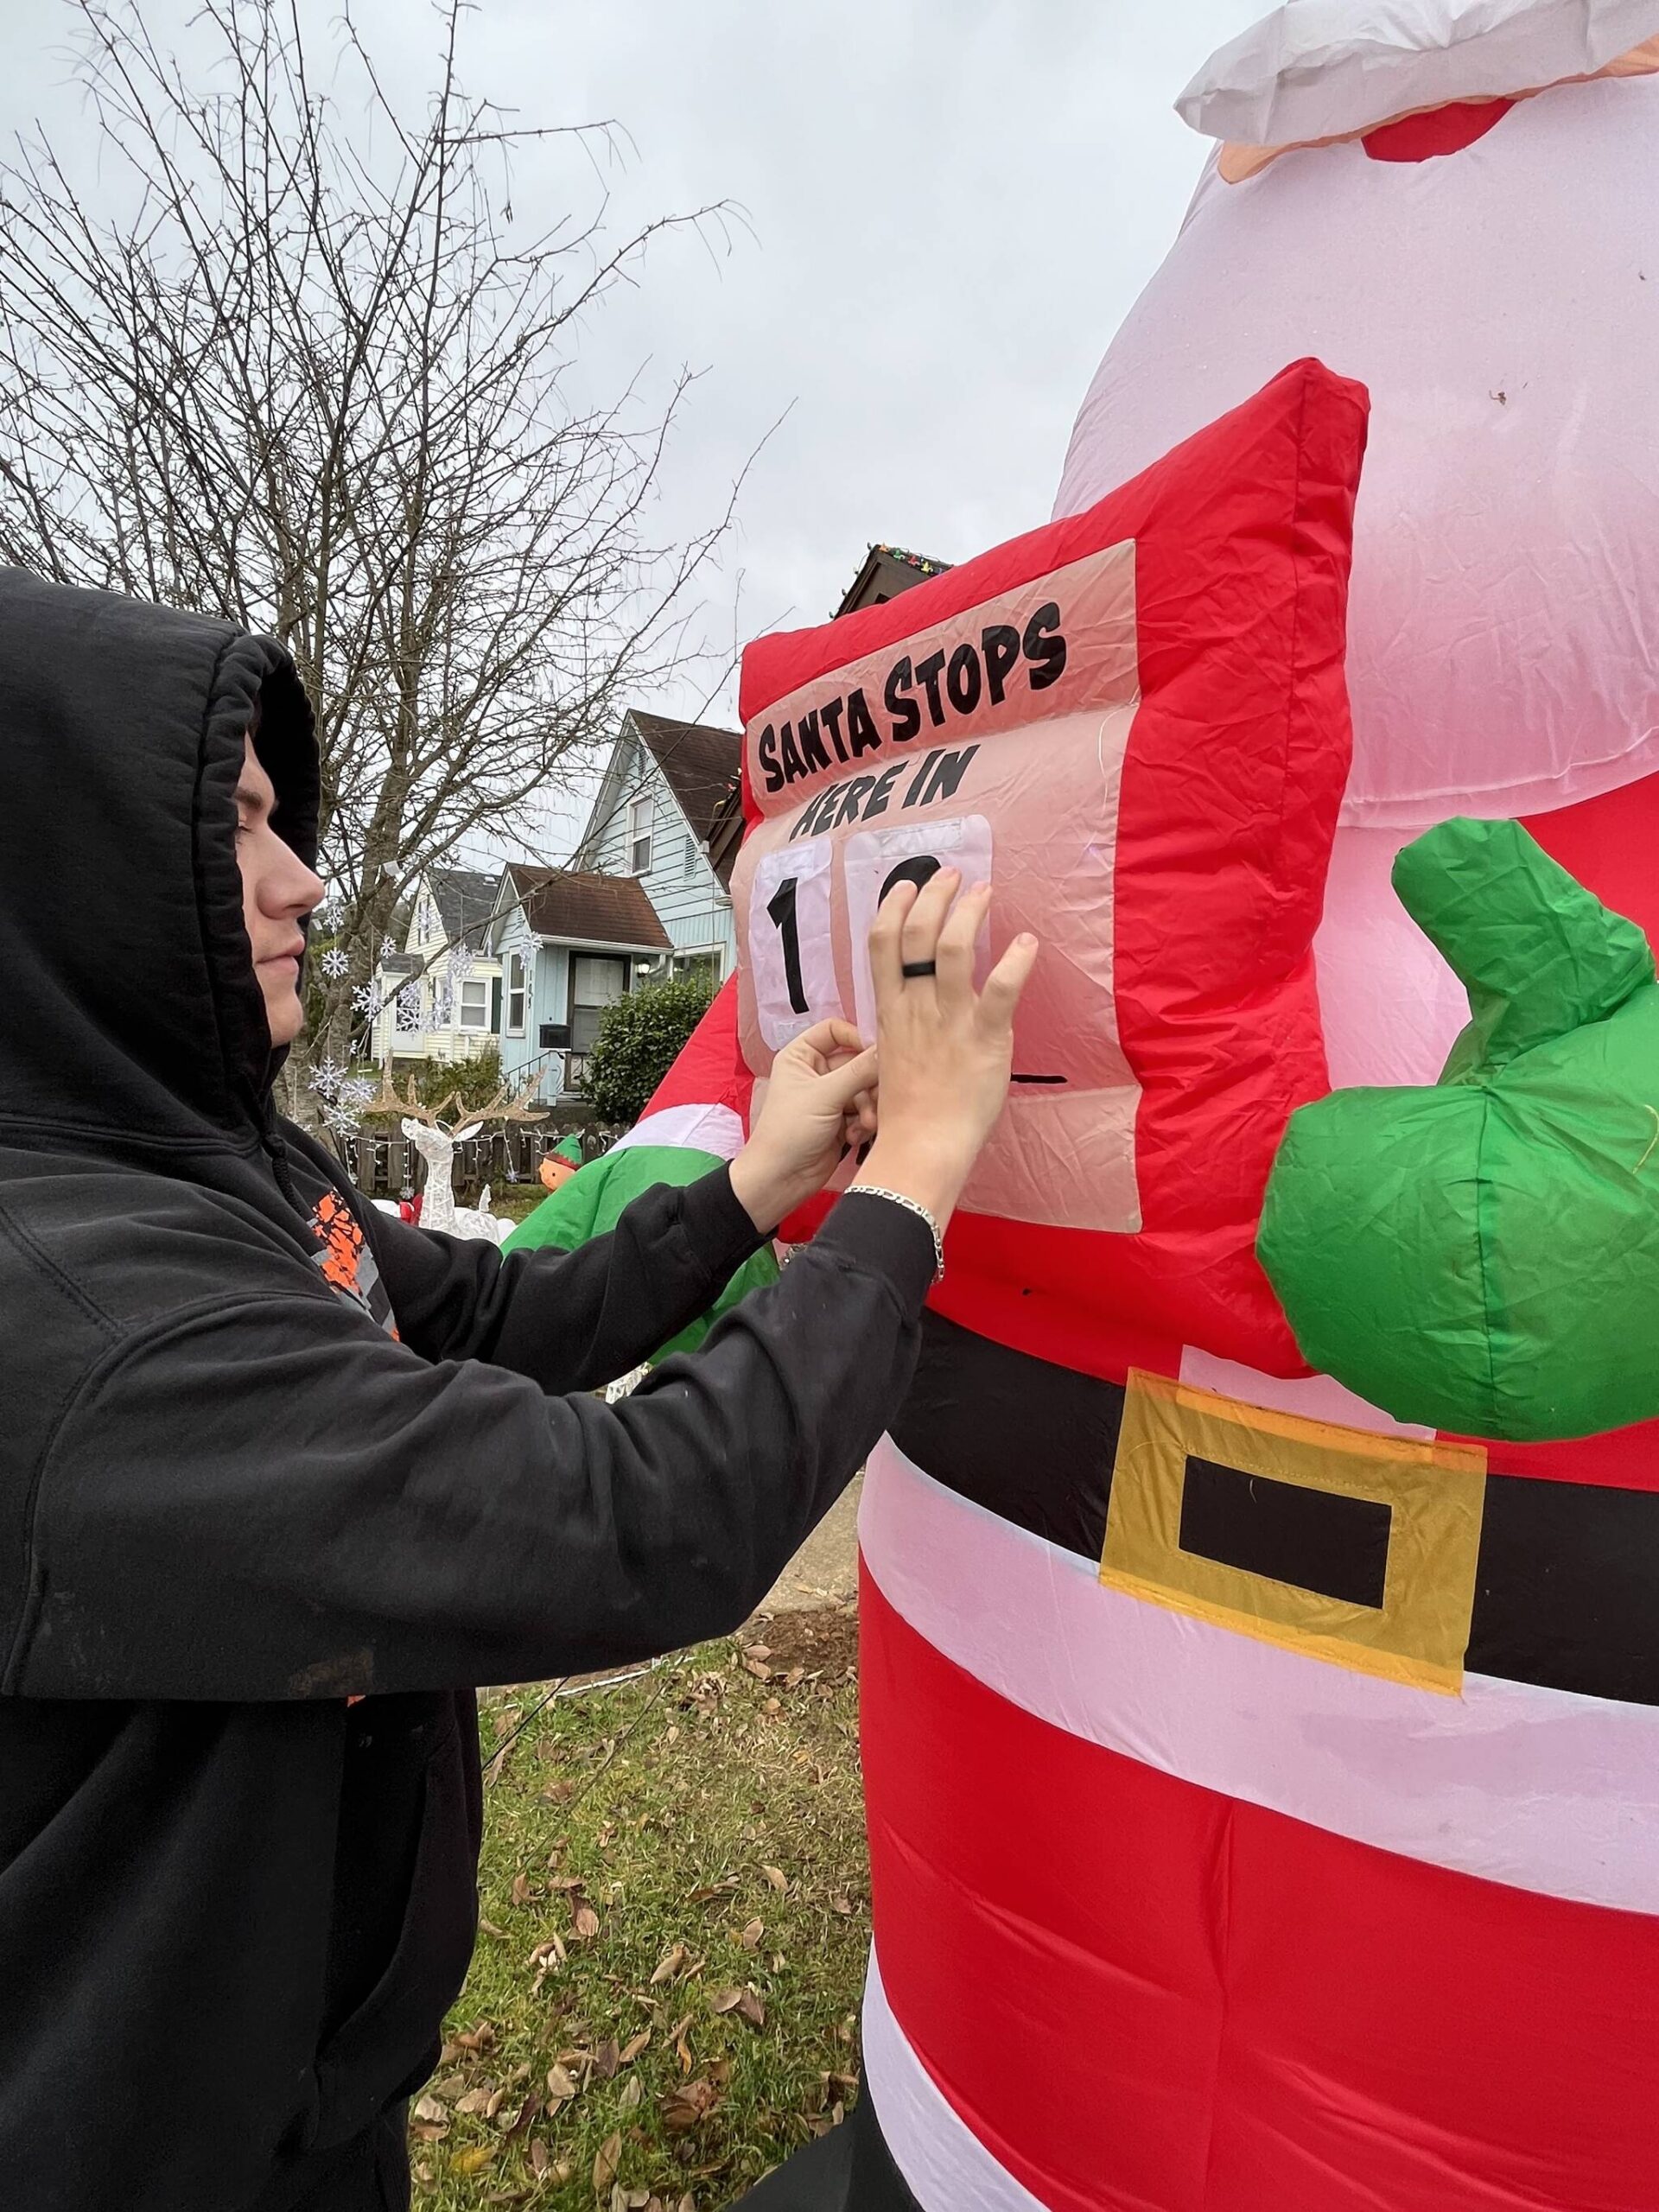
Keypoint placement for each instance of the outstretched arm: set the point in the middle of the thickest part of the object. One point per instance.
(573, 1320)
(259, 1495)
(266, 1498)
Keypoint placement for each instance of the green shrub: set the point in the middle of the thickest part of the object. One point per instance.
(640, 1038)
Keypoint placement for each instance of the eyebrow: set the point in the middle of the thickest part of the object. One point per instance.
(251, 796)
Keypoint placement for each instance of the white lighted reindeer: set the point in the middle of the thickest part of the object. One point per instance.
(436, 1147)
(425, 1130)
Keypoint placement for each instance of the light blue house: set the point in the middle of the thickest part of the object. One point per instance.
(569, 941)
(661, 791)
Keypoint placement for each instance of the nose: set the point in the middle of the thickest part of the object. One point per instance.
(288, 889)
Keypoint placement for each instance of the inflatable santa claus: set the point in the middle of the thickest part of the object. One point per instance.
(1261, 1600)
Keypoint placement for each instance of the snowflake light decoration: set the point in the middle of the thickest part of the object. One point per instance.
(334, 964)
(367, 1000)
(343, 1097)
(409, 1007)
(387, 948)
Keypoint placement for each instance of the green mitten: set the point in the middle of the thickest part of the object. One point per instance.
(1483, 1256)
(593, 1201)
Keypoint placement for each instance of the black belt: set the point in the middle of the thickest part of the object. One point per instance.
(1566, 1580)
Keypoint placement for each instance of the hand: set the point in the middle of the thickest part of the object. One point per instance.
(945, 1049)
(820, 1100)
(1482, 1256)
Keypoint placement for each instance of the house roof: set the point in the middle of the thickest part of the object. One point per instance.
(584, 909)
(894, 566)
(465, 899)
(699, 761)
(726, 835)
(924, 563)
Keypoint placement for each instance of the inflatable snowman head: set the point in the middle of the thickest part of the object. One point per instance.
(1456, 201)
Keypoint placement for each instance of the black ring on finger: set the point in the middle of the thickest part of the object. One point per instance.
(911, 969)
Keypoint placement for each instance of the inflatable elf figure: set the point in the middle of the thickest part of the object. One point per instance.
(669, 1144)
(560, 1163)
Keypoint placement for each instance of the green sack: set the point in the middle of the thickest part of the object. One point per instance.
(1483, 1256)
(593, 1200)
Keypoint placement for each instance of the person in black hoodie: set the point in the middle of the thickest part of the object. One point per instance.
(282, 1479)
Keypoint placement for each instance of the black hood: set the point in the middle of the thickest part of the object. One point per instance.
(134, 1022)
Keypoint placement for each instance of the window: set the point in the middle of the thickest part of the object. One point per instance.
(690, 858)
(662, 967)
(596, 983)
(639, 836)
(516, 994)
(476, 1004)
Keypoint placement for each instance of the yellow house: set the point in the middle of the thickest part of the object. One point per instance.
(441, 990)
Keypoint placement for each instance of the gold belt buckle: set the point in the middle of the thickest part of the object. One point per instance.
(1205, 1490)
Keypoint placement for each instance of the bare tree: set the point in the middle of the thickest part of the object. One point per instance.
(289, 361)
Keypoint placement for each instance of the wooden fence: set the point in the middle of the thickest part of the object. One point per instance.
(388, 1167)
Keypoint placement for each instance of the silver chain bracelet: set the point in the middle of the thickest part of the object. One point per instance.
(910, 1205)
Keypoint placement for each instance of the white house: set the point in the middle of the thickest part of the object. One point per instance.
(657, 801)
(441, 990)
(568, 942)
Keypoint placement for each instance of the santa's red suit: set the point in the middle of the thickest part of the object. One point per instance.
(1263, 1791)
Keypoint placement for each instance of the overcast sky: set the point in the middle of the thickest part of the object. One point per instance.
(949, 204)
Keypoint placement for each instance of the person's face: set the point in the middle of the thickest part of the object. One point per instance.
(278, 891)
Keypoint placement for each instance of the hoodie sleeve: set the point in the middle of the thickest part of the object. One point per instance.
(268, 1497)
(569, 1320)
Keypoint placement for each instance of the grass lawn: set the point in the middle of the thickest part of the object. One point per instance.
(512, 1201)
(675, 1917)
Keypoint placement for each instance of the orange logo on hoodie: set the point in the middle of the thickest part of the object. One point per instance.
(341, 1234)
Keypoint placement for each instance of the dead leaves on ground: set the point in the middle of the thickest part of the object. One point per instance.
(744, 2002)
(646, 2041)
(669, 1964)
(685, 2108)
(607, 2164)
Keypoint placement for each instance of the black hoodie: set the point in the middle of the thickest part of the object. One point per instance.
(255, 1547)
